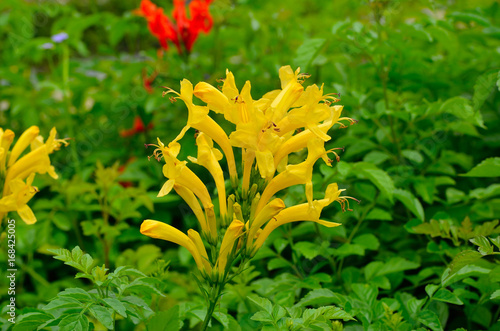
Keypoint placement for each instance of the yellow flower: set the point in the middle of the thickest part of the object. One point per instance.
(209, 157)
(303, 212)
(198, 119)
(233, 232)
(17, 200)
(15, 168)
(159, 230)
(294, 174)
(267, 213)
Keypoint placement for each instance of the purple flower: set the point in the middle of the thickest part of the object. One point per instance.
(60, 37)
(47, 46)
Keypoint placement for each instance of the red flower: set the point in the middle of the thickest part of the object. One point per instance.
(147, 81)
(185, 29)
(137, 128)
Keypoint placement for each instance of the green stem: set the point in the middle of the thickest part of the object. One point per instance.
(215, 294)
(67, 100)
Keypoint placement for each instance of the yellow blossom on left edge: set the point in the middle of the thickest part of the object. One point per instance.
(17, 171)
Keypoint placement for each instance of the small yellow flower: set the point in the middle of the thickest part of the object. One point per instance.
(159, 230)
(303, 212)
(17, 171)
(233, 232)
(209, 157)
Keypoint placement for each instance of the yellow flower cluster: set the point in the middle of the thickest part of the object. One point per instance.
(266, 132)
(17, 171)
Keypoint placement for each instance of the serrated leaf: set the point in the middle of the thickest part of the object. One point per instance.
(487, 168)
(262, 302)
(482, 89)
(410, 202)
(117, 306)
(166, 320)
(262, 316)
(396, 264)
(337, 313)
(63, 302)
(76, 293)
(74, 322)
(31, 321)
(103, 315)
(367, 241)
(449, 278)
(277, 263)
(349, 249)
(495, 295)
(308, 249)
(445, 295)
(378, 177)
(485, 247)
(321, 296)
(431, 289)
(430, 319)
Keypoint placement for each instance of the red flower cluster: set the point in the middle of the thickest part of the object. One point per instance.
(185, 30)
(137, 128)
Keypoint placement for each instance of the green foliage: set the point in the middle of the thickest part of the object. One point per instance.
(419, 252)
(114, 295)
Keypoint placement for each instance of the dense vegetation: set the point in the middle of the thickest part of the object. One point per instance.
(419, 252)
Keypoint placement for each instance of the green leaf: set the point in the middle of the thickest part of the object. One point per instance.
(377, 214)
(308, 249)
(166, 320)
(63, 302)
(367, 241)
(396, 264)
(461, 108)
(413, 156)
(430, 319)
(307, 52)
(376, 157)
(264, 303)
(277, 263)
(482, 89)
(495, 295)
(487, 168)
(31, 321)
(378, 177)
(321, 297)
(410, 202)
(262, 316)
(76, 293)
(74, 322)
(116, 305)
(485, 247)
(349, 249)
(337, 313)
(103, 315)
(449, 277)
(431, 289)
(445, 295)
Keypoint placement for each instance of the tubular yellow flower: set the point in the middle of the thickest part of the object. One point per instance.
(302, 212)
(214, 98)
(232, 233)
(178, 173)
(299, 141)
(6, 139)
(267, 213)
(209, 157)
(159, 230)
(294, 174)
(17, 200)
(196, 239)
(24, 141)
(198, 119)
(188, 196)
(248, 156)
